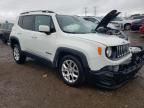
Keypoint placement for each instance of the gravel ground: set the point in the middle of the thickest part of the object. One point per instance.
(36, 85)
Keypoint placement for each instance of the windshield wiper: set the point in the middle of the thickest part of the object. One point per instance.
(70, 32)
(77, 32)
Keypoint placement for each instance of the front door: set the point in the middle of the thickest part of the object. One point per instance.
(44, 44)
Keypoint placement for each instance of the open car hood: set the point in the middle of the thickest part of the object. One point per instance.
(108, 18)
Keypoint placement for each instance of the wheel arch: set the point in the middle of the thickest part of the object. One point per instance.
(62, 51)
(14, 40)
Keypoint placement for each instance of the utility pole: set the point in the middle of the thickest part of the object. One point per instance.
(95, 11)
(85, 9)
(125, 15)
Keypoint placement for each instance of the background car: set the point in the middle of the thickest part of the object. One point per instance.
(137, 24)
(92, 19)
(92, 22)
(118, 22)
(5, 31)
(97, 20)
(137, 17)
(142, 29)
(122, 23)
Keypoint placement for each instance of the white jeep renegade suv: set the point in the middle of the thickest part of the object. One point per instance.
(79, 53)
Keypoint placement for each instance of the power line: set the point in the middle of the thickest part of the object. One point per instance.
(86, 11)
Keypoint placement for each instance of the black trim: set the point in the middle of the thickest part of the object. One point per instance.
(70, 51)
(41, 59)
(111, 79)
(58, 53)
(13, 39)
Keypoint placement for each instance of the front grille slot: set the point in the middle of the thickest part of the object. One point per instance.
(120, 51)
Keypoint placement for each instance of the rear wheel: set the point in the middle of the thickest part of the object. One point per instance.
(19, 57)
(71, 71)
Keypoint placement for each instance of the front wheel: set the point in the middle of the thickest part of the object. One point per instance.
(71, 71)
(19, 57)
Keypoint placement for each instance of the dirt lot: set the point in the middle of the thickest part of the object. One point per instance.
(24, 86)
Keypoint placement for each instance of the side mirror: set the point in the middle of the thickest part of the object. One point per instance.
(44, 28)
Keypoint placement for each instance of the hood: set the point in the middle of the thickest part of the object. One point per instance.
(108, 18)
(106, 40)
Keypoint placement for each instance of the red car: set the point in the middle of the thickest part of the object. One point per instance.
(142, 29)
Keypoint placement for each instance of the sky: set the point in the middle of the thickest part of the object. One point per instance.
(9, 9)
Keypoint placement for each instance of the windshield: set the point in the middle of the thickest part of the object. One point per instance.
(89, 24)
(72, 24)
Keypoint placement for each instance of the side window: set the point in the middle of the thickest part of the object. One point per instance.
(20, 21)
(28, 22)
(44, 20)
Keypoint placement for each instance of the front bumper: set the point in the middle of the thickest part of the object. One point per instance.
(112, 79)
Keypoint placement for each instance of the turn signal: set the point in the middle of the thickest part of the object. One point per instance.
(99, 51)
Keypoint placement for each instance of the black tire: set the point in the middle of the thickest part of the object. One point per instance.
(21, 58)
(81, 76)
(127, 27)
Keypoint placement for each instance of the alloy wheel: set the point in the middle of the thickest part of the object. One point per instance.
(70, 71)
(16, 53)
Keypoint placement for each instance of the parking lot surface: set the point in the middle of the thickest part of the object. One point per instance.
(36, 85)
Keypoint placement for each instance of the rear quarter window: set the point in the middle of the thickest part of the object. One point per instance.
(20, 21)
(27, 22)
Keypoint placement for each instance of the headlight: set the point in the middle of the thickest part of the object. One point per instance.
(109, 52)
(117, 52)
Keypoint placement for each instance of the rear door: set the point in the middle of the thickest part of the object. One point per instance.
(26, 32)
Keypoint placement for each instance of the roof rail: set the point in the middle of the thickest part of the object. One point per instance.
(44, 11)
